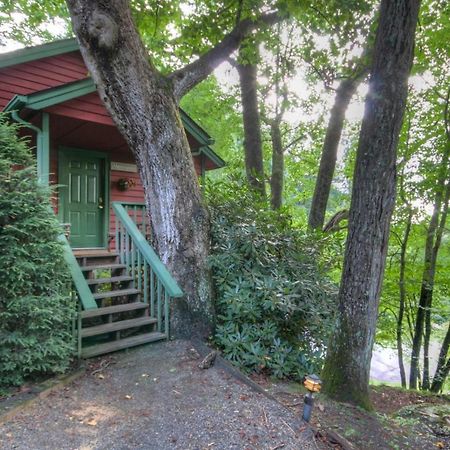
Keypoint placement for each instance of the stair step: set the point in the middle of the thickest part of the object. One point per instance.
(82, 253)
(113, 309)
(102, 267)
(109, 280)
(116, 326)
(121, 344)
(116, 293)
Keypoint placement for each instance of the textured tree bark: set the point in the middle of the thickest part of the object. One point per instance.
(277, 178)
(401, 307)
(254, 161)
(443, 367)
(144, 105)
(324, 179)
(347, 365)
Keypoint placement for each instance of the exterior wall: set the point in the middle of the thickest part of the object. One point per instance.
(41, 74)
(99, 138)
(88, 108)
(82, 123)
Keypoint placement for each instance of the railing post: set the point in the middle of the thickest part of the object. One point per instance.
(166, 315)
(158, 299)
(139, 271)
(144, 267)
(117, 245)
(152, 293)
(78, 330)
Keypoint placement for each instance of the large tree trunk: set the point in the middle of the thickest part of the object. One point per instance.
(443, 367)
(344, 94)
(402, 303)
(277, 178)
(144, 105)
(254, 161)
(347, 365)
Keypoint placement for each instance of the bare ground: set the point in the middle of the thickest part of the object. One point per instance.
(155, 397)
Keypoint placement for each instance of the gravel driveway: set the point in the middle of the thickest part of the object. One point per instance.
(155, 397)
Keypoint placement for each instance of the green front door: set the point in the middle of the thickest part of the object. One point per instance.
(82, 197)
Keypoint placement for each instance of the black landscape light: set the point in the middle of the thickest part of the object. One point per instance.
(313, 384)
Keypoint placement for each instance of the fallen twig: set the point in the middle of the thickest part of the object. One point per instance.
(290, 405)
(295, 434)
(102, 367)
(278, 446)
(333, 436)
(266, 422)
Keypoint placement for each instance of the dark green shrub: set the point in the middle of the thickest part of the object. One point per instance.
(275, 305)
(35, 306)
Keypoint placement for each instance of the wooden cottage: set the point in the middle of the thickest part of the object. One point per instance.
(124, 290)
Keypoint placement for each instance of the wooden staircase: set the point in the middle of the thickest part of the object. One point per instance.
(122, 319)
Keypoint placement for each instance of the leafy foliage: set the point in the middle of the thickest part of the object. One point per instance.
(275, 307)
(35, 306)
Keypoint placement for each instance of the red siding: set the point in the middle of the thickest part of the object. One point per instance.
(41, 74)
(67, 132)
(89, 108)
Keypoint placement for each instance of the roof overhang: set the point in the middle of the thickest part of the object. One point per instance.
(60, 94)
(51, 97)
(27, 54)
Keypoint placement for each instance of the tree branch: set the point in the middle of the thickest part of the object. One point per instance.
(189, 76)
(293, 142)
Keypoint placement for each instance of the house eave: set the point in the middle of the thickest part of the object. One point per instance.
(28, 54)
(53, 96)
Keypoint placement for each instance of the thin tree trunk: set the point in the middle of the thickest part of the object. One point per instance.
(425, 300)
(436, 247)
(426, 349)
(277, 178)
(443, 367)
(347, 365)
(401, 308)
(344, 94)
(254, 162)
(432, 244)
(425, 293)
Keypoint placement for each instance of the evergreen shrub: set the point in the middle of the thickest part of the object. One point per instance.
(275, 305)
(36, 309)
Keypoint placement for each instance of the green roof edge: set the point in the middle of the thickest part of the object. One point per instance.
(59, 94)
(52, 96)
(212, 155)
(27, 54)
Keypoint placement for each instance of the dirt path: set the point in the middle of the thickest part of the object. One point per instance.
(155, 397)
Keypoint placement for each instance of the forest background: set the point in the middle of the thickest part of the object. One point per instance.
(302, 84)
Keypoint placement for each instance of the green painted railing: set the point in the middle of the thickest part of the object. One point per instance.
(81, 286)
(138, 213)
(151, 276)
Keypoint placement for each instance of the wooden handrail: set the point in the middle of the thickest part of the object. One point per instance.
(150, 256)
(81, 286)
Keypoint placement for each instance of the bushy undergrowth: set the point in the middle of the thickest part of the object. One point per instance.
(275, 305)
(35, 306)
